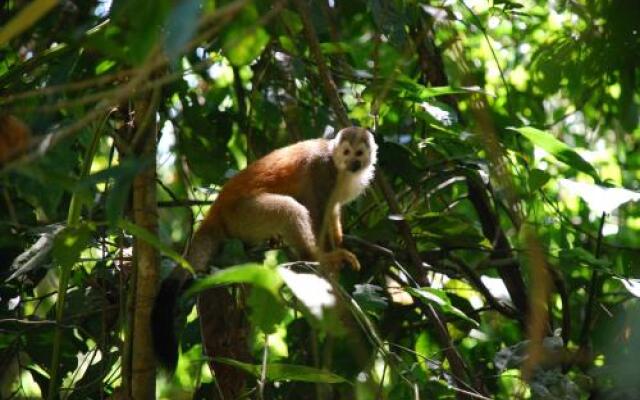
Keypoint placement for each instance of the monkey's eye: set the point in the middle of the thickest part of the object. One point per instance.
(346, 152)
(358, 153)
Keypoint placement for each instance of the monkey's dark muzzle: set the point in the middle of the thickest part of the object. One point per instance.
(355, 165)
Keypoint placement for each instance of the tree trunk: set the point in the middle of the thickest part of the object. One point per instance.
(143, 371)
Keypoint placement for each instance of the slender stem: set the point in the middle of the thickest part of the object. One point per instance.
(263, 373)
(73, 218)
(594, 289)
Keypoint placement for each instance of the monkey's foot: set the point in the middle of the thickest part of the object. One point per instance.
(333, 260)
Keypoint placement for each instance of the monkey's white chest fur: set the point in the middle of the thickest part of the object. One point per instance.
(350, 185)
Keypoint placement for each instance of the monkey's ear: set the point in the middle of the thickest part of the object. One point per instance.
(329, 133)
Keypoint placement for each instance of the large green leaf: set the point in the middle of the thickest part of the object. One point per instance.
(122, 177)
(289, 372)
(69, 243)
(558, 149)
(253, 273)
(265, 309)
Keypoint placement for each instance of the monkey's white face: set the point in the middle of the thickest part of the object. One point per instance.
(354, 154)
(354, 150)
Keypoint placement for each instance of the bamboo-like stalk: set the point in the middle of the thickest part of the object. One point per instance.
(73, 218)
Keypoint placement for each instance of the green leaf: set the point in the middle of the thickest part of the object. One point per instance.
(69, 243)
(334, 47)
(292, 21)
(397, 159)
(581, 256)
(537, 179)
(142, 22)
(407, 87)
(265, 310)
(287, 44)
(122, 175)
(104, 66)
(441, 301)
(558, 149)
(243, 49)
(289, 372)
(256, 274)
(154, 241)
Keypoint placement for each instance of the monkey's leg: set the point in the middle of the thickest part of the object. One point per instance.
(259, 218)
(267, 215)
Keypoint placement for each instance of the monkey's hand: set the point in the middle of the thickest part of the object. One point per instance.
(334, 260)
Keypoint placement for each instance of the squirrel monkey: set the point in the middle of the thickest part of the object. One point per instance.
(295, 194)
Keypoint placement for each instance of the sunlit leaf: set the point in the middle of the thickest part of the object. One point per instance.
(334, 48)
(286, 372)
(265, 309)
(247, 47)
(537, 179)
(600, 199)
(69, 243)
(558, 149)
(253, 273)
(122, 177)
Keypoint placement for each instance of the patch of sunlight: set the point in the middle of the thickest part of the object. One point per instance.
(314, 292)
(29, 388)
(479, 6)
(466, 291)
(556, 20)
(496, 287)
(278, 347)
(85, 360)
(512, 383)
(633, 223)
(519, 78)
(605, 158)
(192, 79)
(614, 90)
(193, 314)
(165, 158)
(222, 73)
(397, 293)
(632, 285)
(599, 199)
(103, 8)
(381, 371)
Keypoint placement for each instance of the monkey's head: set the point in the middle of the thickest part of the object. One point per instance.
(354, 150)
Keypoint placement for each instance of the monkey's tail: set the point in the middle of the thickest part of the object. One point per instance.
(166, 310)
(163, 316)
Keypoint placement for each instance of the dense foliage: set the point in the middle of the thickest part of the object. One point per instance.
(498, 242)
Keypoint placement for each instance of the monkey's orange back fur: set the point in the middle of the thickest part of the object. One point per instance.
(278, 172)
